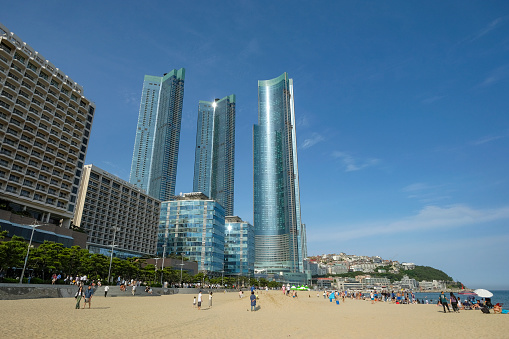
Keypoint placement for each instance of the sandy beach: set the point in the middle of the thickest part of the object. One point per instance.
(278, 316)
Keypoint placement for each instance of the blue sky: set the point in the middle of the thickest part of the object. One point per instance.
(402, 109)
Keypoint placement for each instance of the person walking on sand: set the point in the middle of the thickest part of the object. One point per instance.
(133, 291)
(78, 297)
(454, 303)
(443, 300)
(106, 289)
(194, 302)
(253, 301)
(199, 300)
(210, 299)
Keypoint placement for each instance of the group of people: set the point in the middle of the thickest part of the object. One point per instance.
(457, 305)
(85, 294)
(200, 297)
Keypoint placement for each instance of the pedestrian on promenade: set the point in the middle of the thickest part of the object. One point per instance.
(88, 296)
(106, 289)
(78, 296)
(443, 300)
(253, 301)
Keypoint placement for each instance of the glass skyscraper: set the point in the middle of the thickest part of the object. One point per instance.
(214, 163)
(154, 164)
(193, 224)
(277, 219)
(239, 248)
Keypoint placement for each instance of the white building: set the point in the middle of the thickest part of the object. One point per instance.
(45, 124)
(115, 212)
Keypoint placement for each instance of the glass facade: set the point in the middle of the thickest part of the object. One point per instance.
(194, 225)
(239, 255)
(155, 156)
(214, 164)
(277, 222)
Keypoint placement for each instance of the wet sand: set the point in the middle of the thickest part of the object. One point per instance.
(277, 316)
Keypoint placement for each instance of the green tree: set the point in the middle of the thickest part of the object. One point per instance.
(12, 253)
(263, 282)
(46, 258)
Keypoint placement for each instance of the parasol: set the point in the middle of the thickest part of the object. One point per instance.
(483, 293)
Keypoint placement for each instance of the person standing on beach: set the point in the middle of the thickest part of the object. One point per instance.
(133, 291)
(443, 300)
(199, 300)
(88, 296)
(210, 299)
(253, 301)
(106, 289)
(78, 297)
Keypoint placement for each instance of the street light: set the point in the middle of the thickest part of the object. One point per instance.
(28, 251)
(182, 264)
(111, 257)
(162, 266)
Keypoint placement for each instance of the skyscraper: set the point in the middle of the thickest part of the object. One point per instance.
(155, 156)
(277, 219)
(214, 162)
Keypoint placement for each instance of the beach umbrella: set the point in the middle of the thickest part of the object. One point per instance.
(483, 293)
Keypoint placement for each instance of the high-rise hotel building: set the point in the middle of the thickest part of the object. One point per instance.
(277, 219)
(45, 124)
(116, 214)
(154, 163)
(214, 164)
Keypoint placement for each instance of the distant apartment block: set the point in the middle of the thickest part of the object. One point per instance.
(192, 225)
(45, 124)
(214, 165)
(239, 247)
(117, 214)
(155, 156)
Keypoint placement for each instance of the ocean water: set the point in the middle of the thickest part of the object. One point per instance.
(498, 297)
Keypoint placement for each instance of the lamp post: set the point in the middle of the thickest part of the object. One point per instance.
(222, 277)
(155, 271)
(28, 251)
(181, 265)
(111, 257)
(162, 266)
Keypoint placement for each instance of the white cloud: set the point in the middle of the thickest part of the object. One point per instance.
(419, 186)
(491, 26)
(352, 164)
(487, 139)
(316, 138)
(495, 76)
(429, 218)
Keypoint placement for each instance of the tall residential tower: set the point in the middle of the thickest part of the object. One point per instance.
(154, 164)
(214, 162)
(277, 219)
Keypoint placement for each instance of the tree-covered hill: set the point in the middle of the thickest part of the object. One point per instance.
(419, 273)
